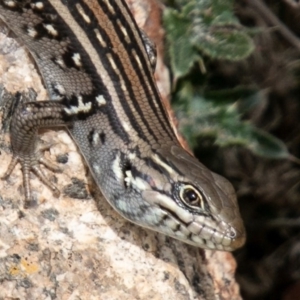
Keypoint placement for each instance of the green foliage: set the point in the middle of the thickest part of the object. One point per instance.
(204, 27)
(221, 120)
(202, 30)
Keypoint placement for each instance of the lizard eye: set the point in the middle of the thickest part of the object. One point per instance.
(191, 197)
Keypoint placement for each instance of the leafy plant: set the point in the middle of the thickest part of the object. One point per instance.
(221, 120)
(204, 27)
(197, 32)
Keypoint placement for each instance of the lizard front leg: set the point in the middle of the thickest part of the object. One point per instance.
(27, 119)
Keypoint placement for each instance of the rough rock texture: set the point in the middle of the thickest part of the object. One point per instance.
(76, 246)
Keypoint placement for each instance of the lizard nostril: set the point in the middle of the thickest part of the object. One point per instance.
(232, 233)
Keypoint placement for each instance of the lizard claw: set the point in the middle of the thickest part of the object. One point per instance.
(32, 164)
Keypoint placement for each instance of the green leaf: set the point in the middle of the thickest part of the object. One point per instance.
(204, 27)
(182, 53)
(264, 144)
(222, 43)
(200, 117)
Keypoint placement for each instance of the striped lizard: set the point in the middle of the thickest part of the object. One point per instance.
(97, 67)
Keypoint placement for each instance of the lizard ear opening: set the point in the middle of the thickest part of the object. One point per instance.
(127, 175)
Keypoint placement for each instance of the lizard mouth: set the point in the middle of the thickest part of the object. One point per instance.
(197, 230)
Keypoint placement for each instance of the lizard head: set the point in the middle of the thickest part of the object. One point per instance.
(183, 199)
